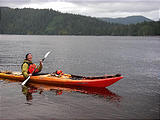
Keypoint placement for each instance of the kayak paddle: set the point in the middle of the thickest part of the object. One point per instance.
(24, 82)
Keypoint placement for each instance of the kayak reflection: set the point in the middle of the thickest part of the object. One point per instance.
(58, 90)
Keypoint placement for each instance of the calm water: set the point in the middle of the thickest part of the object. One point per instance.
(136, 96)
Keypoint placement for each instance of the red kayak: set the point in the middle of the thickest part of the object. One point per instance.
(66, 79)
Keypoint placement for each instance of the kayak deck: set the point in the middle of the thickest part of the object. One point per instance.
(66, 79)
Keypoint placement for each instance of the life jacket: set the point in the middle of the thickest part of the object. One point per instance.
(31, 68)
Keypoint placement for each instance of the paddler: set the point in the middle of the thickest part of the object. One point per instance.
(28, 67)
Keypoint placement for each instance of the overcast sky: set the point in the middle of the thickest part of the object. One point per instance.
(94, 8)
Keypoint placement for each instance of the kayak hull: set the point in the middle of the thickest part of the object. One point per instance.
(47, 79)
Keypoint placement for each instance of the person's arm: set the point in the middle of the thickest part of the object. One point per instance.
(25, 70)
(40, 66)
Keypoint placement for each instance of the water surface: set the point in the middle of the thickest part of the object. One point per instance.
(134, 97)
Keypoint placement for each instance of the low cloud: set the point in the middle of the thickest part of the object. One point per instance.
(94, 8)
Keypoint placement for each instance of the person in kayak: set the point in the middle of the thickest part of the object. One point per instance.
(28, 67)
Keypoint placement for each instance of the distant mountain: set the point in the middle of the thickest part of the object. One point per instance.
(29, 21)
(127, 20)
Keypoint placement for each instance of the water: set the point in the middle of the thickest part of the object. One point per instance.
(134, 97)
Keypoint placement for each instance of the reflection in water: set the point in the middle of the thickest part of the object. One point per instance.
(58, 90)
(27, 91)
(30, 89)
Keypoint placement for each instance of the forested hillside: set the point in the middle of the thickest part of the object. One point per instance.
(49, 22)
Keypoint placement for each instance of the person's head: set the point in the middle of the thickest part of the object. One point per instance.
(29, 57)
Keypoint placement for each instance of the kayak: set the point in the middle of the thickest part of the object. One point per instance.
(65, 80)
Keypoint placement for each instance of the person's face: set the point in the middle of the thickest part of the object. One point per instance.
(29, 57)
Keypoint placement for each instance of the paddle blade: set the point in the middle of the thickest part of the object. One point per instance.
(24, 82)
(47, 54)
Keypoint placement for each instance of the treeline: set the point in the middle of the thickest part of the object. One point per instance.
(49, 22)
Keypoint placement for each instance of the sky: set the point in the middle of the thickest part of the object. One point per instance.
(93, 8)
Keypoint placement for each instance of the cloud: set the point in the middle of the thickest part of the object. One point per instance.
(94, 8)
(114, 9)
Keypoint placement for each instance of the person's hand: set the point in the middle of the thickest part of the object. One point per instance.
(41, 62)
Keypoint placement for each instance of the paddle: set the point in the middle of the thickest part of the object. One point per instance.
(24, 82)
